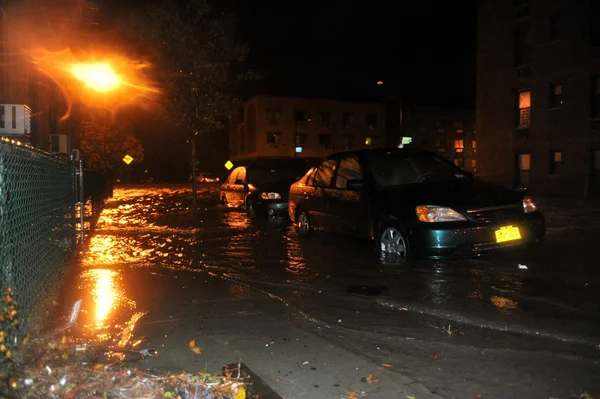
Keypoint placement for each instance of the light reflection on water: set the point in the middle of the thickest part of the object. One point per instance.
(143, 227)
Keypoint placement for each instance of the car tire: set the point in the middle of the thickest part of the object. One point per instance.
(392, 241)
(303, 223)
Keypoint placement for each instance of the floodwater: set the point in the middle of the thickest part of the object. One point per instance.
(155, 274)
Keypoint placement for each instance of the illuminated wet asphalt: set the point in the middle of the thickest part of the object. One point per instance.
(315, 316)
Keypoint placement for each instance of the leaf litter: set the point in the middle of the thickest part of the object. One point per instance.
(69, 369)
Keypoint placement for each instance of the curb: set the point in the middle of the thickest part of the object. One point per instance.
(593, 342)
(257, 387)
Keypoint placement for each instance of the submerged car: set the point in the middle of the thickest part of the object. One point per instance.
(415, 203)
(206, 178)
(262, 186)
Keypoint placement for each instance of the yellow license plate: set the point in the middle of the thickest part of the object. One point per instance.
(508, 233)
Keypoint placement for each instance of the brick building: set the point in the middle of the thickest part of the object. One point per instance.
(302, 127)
(447, 131)
(538, 95)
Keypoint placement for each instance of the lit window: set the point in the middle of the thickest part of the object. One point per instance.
(459, 145)
(524, 109)
(474, 145)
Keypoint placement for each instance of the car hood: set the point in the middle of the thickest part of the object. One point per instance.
(467, 194)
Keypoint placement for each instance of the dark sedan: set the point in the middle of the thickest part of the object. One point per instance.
(413, 203)
(261, 187)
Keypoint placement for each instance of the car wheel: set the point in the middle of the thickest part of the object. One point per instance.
(250, 207)
(392, 241)
(303, 223)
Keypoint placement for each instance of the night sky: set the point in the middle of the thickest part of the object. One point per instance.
(339, 49)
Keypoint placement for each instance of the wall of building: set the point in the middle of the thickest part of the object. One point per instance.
(274, 127)
(534, 46)
(447, 131)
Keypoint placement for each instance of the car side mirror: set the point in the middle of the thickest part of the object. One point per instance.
(238, 181)
(355, 184)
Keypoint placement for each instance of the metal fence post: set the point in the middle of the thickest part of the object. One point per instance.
(81, 204)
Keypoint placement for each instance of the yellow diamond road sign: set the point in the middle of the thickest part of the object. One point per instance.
(127, 159)
(229, 165)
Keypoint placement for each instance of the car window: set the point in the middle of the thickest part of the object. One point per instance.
(241, 175)
(392, 168)
(396, 168)
(273, 175)
(324, 173)
(435, 169)
(233, 176)
(349, 169)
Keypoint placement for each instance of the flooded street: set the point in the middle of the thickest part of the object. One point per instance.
(314, 317)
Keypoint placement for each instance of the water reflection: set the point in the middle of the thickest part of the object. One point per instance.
(503, 304)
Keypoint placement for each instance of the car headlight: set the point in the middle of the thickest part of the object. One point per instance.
(528, 205)
(270, 196)
(433, 214)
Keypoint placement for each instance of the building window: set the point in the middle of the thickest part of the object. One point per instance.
(325, 139)
(596, 97)
(460, 162)
(523, 71)
(2, 117)
(524, 109)
(326, 118)
(301, 139)
(273, 137)
(273, 116)
(595, 26)
(301, 116)
(522, 8)
(348, 119)
(440, 145)
(555, 162)
(348, 141)
(474, 145)
(371, 141)
(459, 145)
(371, 120)
(554, 28)
(474, 165)
(419, 124)
(459, 127)
(440, 124)
(524, 170)
(556, 98)
(522, 46)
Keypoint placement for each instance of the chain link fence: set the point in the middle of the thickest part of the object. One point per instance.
(37, 221)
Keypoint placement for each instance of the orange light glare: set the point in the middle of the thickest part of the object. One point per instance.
(100, 77)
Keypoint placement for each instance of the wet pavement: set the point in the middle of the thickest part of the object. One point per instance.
(314, 317)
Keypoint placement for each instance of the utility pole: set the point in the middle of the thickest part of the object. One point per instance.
(193, 143)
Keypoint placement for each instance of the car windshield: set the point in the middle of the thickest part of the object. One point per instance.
(264, 175)
(397, 168)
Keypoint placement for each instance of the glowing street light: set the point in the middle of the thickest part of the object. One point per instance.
(100, 77)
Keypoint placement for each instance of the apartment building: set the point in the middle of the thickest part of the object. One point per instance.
(304, 127)
(448, 131)
(538, 95)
